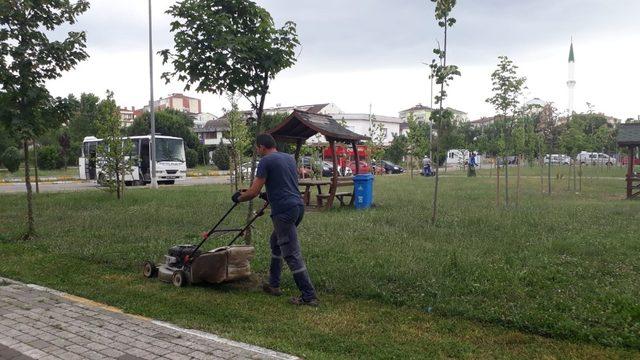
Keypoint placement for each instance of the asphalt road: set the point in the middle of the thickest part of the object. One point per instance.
(91, 185)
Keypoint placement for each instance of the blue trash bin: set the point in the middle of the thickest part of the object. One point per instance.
(363, 190)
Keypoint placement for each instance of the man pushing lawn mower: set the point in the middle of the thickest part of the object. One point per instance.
(278, 171)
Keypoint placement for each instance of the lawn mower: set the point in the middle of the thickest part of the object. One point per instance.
(186, 264)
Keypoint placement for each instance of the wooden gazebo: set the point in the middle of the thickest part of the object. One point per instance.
(301, 125)
(629, 137)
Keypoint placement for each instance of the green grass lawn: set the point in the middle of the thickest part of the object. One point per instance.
(558, 276)
(557, 171)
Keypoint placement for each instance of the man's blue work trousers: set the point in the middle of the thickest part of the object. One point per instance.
(285, 245)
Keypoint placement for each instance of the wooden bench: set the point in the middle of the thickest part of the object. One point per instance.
(339, 195)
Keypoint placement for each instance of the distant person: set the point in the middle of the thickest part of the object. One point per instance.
(278, 172)
(472, 165)
(426, 166)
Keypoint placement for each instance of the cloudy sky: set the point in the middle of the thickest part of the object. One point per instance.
(360, 52)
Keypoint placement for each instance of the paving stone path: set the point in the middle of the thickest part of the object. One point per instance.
(39, 323)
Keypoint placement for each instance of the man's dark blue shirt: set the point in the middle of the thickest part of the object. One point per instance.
(281, 178)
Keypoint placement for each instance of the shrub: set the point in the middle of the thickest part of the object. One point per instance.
(11, 159)
(203, 154)
(221, 157)
(49, 158)
(192, 158)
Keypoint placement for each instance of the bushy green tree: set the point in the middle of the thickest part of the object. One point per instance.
(11, 159)
(191, 156)
(84, 116)
(221, 157)
(169, 122)
(229, 46)
(113, 152)
(398, 149)
(28, 59)
(49, 158)
(507, 90)
(239, 139)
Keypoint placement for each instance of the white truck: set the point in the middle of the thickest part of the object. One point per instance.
(594, 158)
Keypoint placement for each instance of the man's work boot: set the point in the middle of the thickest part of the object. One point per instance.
(271, 290)
(298, 300)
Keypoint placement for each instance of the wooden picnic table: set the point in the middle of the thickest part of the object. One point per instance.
(319, 183)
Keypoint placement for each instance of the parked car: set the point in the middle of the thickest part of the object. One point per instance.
(625, 161)
(364, 167)
(557, 159)
(391, 168)
(327, 167)
(511, 160)
(593, 158)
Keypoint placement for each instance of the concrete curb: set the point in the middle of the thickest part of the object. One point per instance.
(200, 334)
(71, 179)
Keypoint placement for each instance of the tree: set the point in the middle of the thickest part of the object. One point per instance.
(221, 156)
(398, 149)
(113, 152)
(376, 139)
(417, 138)
(239, 141)
(27, 60)
(229, 46)
(444, 74)
(169, 122)
(11, 159)
(507, 89)
(84, 116)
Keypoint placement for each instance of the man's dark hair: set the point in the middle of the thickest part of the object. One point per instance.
(266, 140)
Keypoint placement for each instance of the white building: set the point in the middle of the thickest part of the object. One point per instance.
(126, 116)
(213, 132)
(200, 120)
(361, 123)
(178, 102)
(422, 113)
(323, 109)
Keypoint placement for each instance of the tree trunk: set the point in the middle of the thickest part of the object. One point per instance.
(254, 156)
(123, 176)
(580, 183)
(411, 166)
(541, 164)
(35, 168)
(506, 182)
(549, 176)
(118, 181)
(435, 194)
(518, 182)
(497, 183)
(575, 188)
(27, 180)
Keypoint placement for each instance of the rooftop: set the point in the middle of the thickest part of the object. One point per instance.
(628, 135)
(377, 118)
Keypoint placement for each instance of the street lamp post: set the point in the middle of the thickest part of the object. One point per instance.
(154, 179)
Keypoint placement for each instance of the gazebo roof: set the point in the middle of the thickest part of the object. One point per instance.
(301, 125)
(628, 135)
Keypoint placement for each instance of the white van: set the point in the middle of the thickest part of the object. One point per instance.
(593, 158)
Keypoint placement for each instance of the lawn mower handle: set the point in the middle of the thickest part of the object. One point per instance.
(257, 215)
(206, 236)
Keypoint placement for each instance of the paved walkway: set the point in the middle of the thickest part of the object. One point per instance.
(39, 323)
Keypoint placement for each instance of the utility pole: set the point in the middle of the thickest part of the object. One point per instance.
(154, 180)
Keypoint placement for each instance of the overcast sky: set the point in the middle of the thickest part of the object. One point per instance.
(360, 52)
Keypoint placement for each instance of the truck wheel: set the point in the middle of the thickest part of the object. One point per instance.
(179, 278)
(149, 270)
(102, 181)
